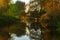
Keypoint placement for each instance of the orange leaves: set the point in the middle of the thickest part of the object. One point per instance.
(24, 19)
(43, 20)
(51, 6)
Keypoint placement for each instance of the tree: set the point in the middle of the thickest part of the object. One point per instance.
(52, 10)
(4, 5)
(7, 20)
(11, 24)
(16, 9)
(19, 29)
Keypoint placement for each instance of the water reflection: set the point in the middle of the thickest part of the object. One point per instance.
(31, 34)
(24, 37)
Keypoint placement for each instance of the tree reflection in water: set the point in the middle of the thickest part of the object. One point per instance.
(23, 37)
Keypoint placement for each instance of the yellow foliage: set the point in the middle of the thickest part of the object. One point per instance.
(51, 7)
(3, 3)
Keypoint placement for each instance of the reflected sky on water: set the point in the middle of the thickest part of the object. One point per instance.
(24, 37)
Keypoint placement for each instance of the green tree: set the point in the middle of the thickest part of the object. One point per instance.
(16, 9)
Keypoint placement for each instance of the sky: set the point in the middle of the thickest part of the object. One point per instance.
(24, 37)
(26, 1)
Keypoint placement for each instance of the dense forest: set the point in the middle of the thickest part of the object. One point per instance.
(42, 14)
